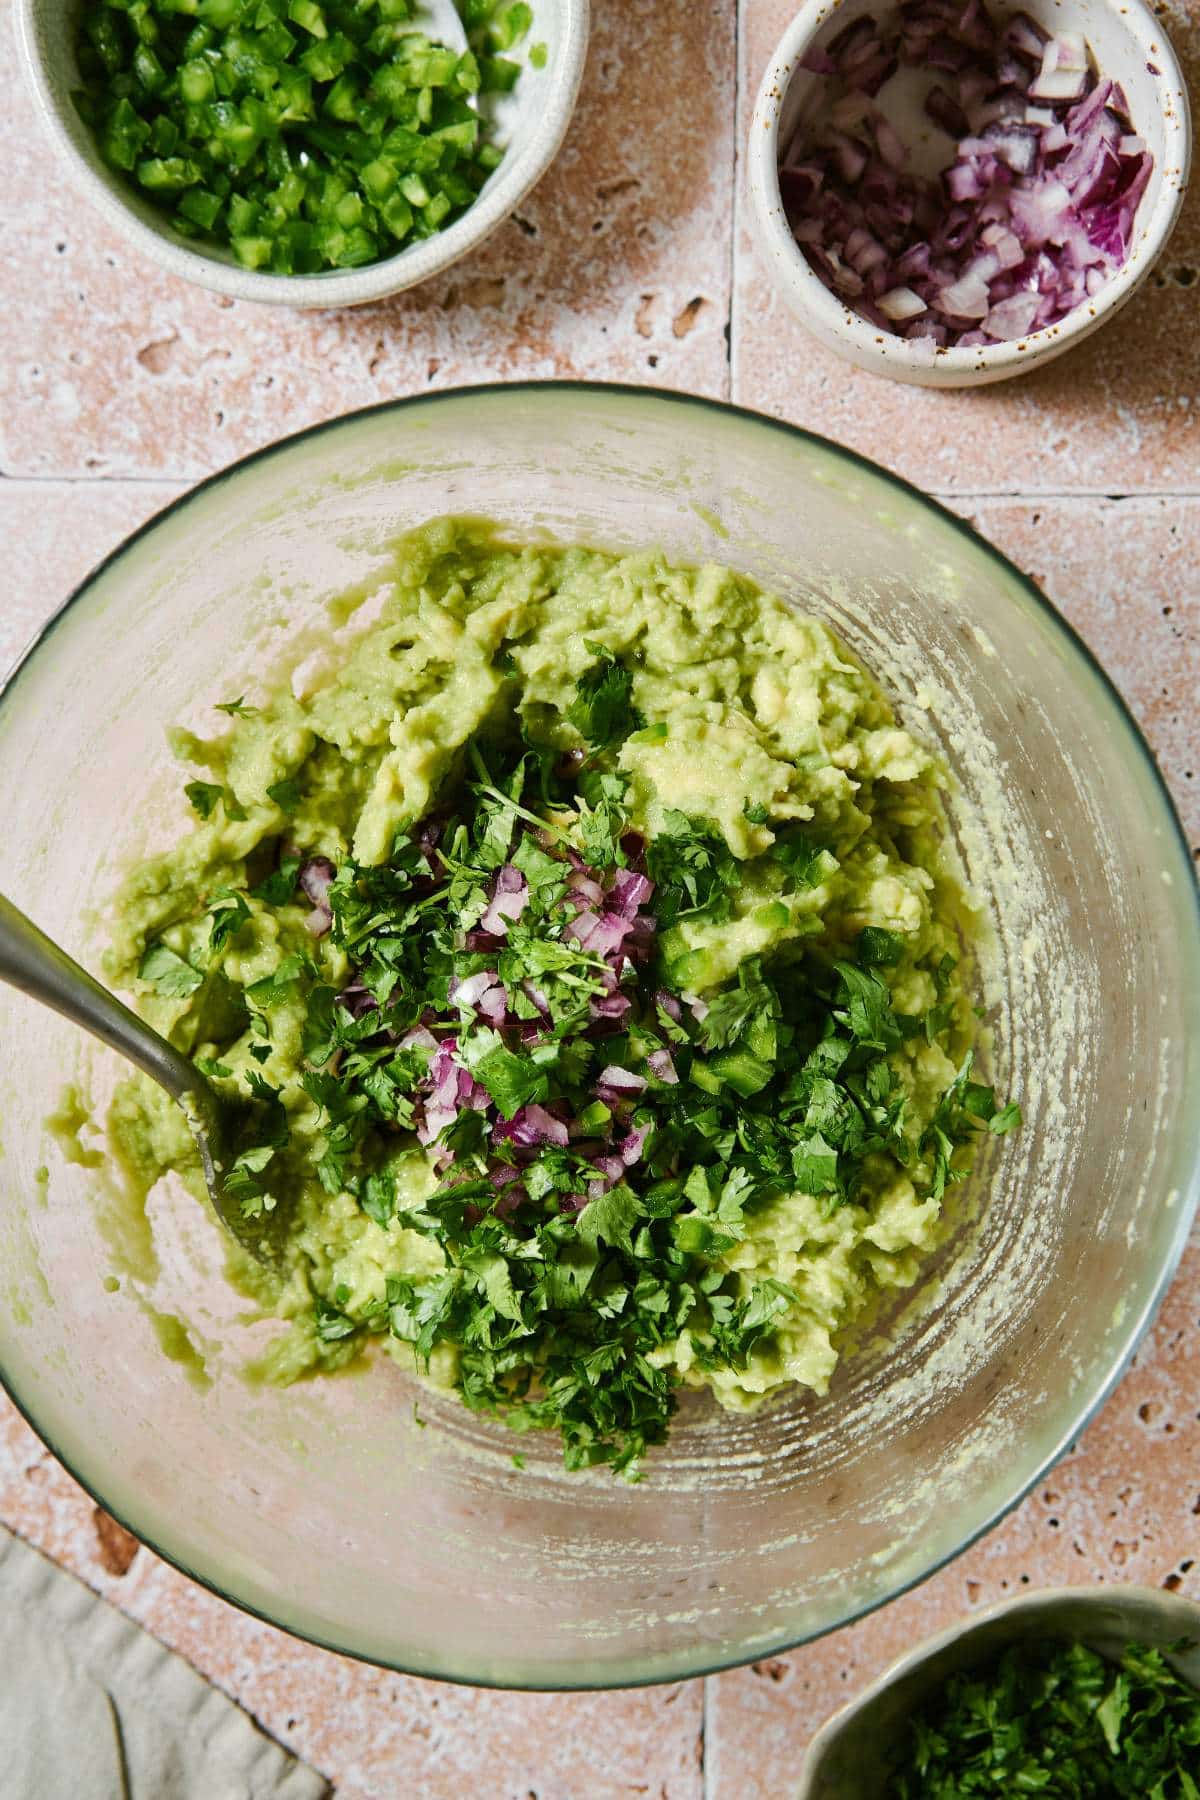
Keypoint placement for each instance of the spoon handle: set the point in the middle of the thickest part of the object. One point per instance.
(31, 962)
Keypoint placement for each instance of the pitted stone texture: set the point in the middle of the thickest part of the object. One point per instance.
(1119, 413)
(1126, 574)
(617, 267)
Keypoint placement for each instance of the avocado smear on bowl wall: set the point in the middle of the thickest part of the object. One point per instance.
(586, 948)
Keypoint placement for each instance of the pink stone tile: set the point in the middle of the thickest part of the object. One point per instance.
(52, 533)
(1120, 412)
(1126, 573)
(618, 267)
(1123, 1507)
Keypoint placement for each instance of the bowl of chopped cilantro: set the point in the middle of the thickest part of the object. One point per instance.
(696, 949)
(1077, 1693)
(311, 153)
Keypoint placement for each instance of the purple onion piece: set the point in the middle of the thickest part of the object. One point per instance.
(314, 876)
(356, 1000)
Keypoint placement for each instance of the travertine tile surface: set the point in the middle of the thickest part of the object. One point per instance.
(117, 385)
(617, 267)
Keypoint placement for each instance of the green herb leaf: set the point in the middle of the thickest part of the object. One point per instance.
(877, 948)
(1054, 1718)
(280, 886)
(269, 990)
(168, 973)
(601, 711)
(285, 794)
(228, 913)
(204, 796)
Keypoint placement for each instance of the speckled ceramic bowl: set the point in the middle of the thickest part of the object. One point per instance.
(1128, 43)
(849, 1759)
(532, 127)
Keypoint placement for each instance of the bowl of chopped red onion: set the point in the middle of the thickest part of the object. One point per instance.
(949, 194)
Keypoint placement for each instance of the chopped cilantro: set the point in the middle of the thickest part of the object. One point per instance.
(278, 888)
(285, 794)
(583, 1224)
(332, 1324)
(1055, 1718)
(244, 1181)
(203, 796)
(206, 795)
(168, 974)
(228, 913)
(509, 1078)
(602, 711)
(237, 709)
(693, 869)
(877, 948)
(269, 990)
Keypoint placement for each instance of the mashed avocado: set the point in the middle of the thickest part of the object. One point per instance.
(578, 938)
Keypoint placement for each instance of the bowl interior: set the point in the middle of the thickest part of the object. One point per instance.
(1127, 43)
(529, 123)
(335, 1507)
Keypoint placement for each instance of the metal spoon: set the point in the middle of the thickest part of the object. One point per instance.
(31, 962)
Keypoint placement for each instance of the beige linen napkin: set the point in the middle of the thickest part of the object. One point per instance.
(93, 1708)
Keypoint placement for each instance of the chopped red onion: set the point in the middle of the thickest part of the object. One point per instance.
(611, 1006)
(509, 898)
(632, 1145)
(537, 995)
(472, 993)
(629, 890)
(662, 1067)
(615, 1084)
(586, 887)
(357, 1000)
(901, 303)
(533, 1125)
(611, 925)
(314, 876)
(1034, 211)
(601, 933)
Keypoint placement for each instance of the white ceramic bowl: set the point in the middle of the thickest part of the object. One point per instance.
(848, 1758)
(1127, 42)
(533, 125)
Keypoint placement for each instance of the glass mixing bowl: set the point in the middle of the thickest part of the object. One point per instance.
(338, 1508)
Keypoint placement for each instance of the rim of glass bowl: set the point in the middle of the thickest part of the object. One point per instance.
(683, 1668)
